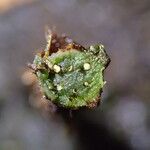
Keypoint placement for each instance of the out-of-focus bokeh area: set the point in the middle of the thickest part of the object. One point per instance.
(122, 121)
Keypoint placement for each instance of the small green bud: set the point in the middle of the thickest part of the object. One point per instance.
(71, 76)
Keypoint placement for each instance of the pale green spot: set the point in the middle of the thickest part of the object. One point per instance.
(86, 66)
(56, 68)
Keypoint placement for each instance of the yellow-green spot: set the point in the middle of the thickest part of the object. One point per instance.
(86, 66)
(56, 68)
(59, 87)
(101, 46)
(92, 48)
(70, 68)
(86, 83)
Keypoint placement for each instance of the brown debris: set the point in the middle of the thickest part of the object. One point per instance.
(62, 42)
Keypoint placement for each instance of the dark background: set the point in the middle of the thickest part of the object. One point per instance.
(122, 120)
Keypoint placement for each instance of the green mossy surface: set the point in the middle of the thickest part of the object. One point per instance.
(73, 86)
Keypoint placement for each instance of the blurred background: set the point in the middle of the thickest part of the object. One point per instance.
(122, 121)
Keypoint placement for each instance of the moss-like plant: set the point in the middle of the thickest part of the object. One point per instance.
(70, 75)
